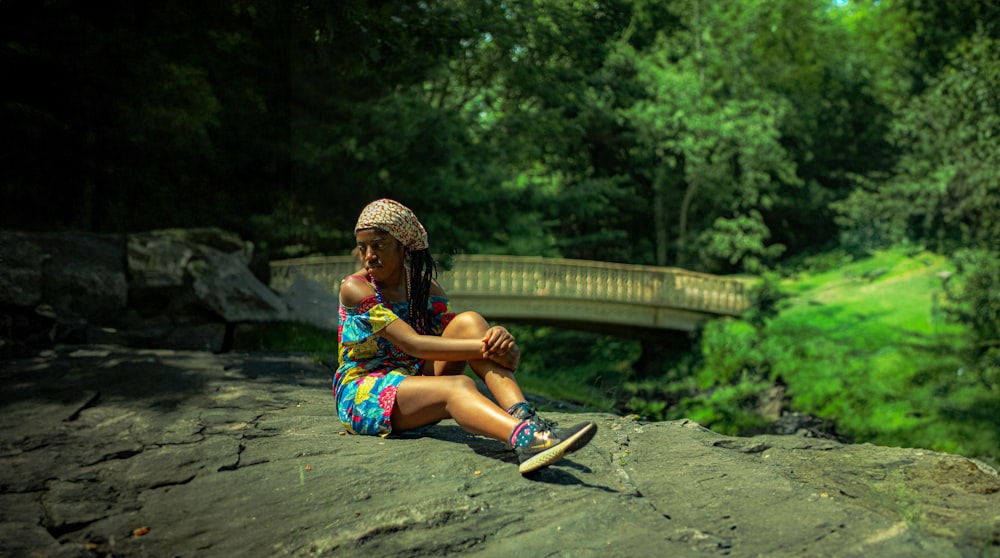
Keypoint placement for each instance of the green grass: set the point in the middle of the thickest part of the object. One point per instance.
(290, 337)
(576, 367)
(853, 339)
(867, 344)
(888, 295)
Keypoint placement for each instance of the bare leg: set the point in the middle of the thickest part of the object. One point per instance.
(499, 380)
(422, 400)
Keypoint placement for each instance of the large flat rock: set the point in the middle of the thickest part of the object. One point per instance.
(242, 455)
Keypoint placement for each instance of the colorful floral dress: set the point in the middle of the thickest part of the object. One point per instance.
(371, 367)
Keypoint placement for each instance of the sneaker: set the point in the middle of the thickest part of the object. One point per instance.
(548, 425)
(546, 447)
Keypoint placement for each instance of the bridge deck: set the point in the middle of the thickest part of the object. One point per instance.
(559, 290)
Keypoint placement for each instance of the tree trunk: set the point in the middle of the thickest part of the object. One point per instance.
(660, 218)
(682, 222)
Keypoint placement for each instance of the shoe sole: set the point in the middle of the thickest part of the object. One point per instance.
(550, 456)
(579, 442)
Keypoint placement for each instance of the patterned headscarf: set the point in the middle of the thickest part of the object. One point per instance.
(396, 219)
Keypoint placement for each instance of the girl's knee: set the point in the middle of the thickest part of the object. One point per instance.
(463, 383)
(468, 323)
(461, 386)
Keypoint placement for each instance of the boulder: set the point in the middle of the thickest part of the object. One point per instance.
(20, 270)
(80, 276)
(172, 288)
(310, 303)
(157, 261)
(186, 273)
(224, 283)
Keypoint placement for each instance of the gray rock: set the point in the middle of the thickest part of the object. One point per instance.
(184, 289)
(215, 238)
(20, 270)
(157, 261)
(28, 540)
(186, 272)
(159, 333)
(159, 258)
(310, 303)
(243, 455)
(85, 275)
(76, 274)
(226, 286)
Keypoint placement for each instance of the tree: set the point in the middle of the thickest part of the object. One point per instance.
(713, 139)
(138, 106)
(944, 188)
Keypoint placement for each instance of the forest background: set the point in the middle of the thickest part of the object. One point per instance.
(786, 140)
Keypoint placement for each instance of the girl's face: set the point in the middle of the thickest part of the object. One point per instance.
(381, 254)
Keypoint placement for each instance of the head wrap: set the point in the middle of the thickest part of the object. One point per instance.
(396, 219)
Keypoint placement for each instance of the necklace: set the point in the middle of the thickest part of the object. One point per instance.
(378, 291)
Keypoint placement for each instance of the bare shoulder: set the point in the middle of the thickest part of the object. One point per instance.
(437, 290)
(353, 289)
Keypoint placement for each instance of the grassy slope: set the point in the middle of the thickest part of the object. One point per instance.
(867, 345)
(857, 339)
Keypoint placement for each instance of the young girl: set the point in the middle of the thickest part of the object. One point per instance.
(403, 352)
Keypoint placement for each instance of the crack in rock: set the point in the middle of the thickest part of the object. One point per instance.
(236, 465)
(88, 401)
(743, 446)
(619, 460)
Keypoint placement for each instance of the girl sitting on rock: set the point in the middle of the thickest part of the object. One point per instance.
(403, 352)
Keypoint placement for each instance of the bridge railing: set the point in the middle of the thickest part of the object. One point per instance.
(328, 271)
(551, 278)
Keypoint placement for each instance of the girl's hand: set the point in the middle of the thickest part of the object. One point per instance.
(497, 342)
(509, 359)
(500, 347)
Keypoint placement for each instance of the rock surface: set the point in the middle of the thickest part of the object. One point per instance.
(129, 452)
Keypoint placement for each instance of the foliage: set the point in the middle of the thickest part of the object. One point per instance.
(935, 29)
(836, 70)
(973, 300)
(725, 387)
(868, 346)
(581, 368)
(629, 130)
(730, 354)
(944, 188)
(710, 136)
(871, 345)
(766, 296)
(740, 240)
(138, 107)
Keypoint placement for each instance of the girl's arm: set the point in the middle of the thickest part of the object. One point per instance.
(498, 345)
(432, 347)
(354, 289)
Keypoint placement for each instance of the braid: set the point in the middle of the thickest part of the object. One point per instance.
(422, 272)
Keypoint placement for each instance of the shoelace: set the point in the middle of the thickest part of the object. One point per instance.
(543, 424)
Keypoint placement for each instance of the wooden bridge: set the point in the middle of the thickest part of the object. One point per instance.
(576, 293)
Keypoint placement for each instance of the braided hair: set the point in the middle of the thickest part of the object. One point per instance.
(423, 271)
